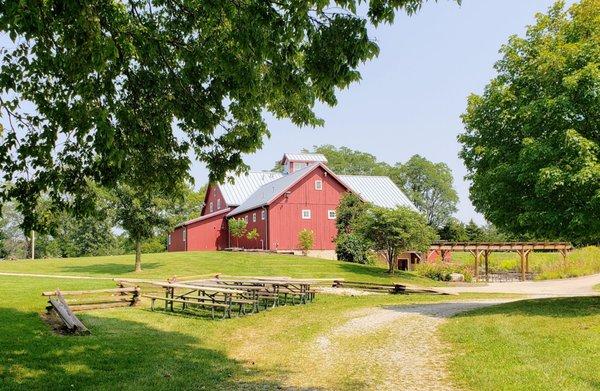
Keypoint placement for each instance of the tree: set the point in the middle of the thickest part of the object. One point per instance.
(453, 231)
(531, 140)
(306, 239)
(350, 209)
(349, 245)
(394, 231)
(253, 234)
(344, 160)
(139, 212)
(474, 232)
(237, 228)
(91, 89)
(429, 186)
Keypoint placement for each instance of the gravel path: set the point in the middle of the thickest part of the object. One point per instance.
(416, 359)
(579, 286)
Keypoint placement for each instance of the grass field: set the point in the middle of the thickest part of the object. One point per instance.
(163, 265)
(580, 262)
(551, 344)
(134, 348)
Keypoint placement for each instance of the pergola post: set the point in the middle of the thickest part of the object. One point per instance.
(486, 253)
(524, 254)
(477, 254)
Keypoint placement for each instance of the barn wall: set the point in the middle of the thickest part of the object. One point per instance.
(260, 226)
(208, 234)
(212, 195)
(177, 243)
(285, 219)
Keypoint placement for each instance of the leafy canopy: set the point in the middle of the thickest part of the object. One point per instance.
(393, 231)
(92, 90)
(531, 144)
(429, 186)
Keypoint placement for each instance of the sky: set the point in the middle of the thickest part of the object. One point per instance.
(411, 97)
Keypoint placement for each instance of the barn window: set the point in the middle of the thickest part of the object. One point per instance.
(246, 218)
(184, 234)
(306, 214)
(318, 184)
(210, 207)
(218, 204)
(254, 217)
(263, 214)
(169, 240)
(331, 215)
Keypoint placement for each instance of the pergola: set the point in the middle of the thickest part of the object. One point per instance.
(479, 249)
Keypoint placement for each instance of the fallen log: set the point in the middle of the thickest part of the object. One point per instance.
(64, 313)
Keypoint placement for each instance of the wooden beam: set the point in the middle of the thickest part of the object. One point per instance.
(485, 255)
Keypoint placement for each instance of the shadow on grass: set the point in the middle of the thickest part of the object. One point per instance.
(120, 354)
(563, 307)
(108, 268)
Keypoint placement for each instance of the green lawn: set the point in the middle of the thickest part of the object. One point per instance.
(580, 262)
(551, 344)
(163, 265)
(134, 348)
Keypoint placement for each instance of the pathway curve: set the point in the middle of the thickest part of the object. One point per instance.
(417, 358)
(579, 286)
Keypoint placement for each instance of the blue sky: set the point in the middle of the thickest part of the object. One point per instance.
(411, 97)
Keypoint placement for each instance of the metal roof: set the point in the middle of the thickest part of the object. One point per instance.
(265, 193)
(378, 190)
(245, 185)
(205, 217)
(304, 157)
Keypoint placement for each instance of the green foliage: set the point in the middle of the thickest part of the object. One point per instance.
(393, 231)
(531, 144)
(237, 228)
(252, 234)
(344, 160)
(453, 231)
(349, 211)
(429, 186)
(474, 232)
(353, 247)
(96, 90)
(441, 271)
(306, 239)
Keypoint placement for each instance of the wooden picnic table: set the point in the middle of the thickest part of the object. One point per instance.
(200, 295)
(300, 288)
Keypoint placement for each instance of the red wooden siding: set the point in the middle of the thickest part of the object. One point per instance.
(285, 213)
(213, 194)
(259, 224)
(208, 234)
(177, 242)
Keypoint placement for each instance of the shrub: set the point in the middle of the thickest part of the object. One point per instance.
(352, 247)
(441, 271)
(306, 239)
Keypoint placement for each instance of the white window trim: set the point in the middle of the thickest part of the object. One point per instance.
(306, 216)
(331, 214)
(254, 217)
(210, 207)
(263, 214)
(184, 234)
(218, 203)
(246, 218)
(318, 184)
(169, 240)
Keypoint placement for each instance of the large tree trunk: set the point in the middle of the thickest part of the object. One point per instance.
(138, 256)
(391, 261)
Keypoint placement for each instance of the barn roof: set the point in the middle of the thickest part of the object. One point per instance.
(269, 191)
(304, 157)
(245, 185)
(378, 190)
(201, 218)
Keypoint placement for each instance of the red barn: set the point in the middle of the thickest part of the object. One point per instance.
(279, 205)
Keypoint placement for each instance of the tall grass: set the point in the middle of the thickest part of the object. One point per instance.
(580, 262)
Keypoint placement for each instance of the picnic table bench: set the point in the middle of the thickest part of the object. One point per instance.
(202, 296)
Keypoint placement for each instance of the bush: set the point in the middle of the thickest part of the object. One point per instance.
(441, 271)
(306, 239)
(352, 247)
